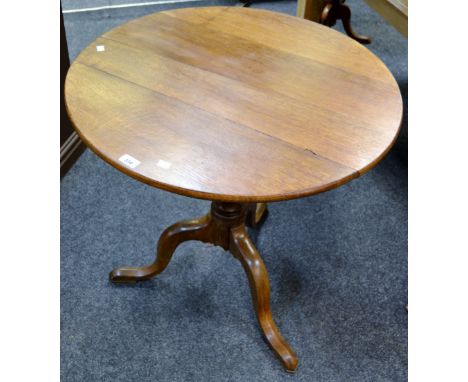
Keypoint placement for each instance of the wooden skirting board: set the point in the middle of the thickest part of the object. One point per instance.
(70, 144)
(70, 152)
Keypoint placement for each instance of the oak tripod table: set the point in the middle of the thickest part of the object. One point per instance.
(238, 106)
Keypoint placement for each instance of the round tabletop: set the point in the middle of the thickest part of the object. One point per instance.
(233, 104)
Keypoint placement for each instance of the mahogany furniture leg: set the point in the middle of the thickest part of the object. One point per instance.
(242, 248)
(224, 226)
(334, 10)
(345, 15)
(197, 229)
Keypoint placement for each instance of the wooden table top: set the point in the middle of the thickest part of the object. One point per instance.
(233, 104)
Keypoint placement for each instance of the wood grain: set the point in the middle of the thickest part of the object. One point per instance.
(246, 105)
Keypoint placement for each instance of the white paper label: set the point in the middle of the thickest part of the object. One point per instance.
(129, 161)
(100, 48)
(163, 164)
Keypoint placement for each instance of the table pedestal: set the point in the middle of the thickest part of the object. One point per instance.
(225, 226)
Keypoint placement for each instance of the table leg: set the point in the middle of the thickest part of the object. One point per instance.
(224, 226)
(244, 250)
(198, 229)
(327, 12)
(337, 10)
(256, 214)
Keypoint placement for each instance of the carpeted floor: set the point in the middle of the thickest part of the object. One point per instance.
(337, 263)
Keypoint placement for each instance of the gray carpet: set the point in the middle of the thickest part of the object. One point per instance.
(337, 263)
